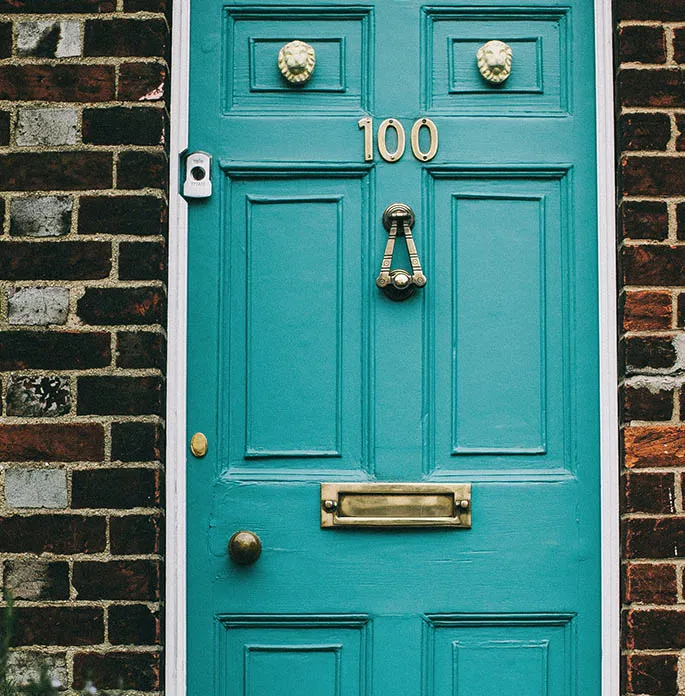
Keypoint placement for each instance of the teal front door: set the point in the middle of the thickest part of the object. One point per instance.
(302, 371)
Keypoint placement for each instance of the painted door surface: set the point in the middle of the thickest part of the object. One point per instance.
(301, 371)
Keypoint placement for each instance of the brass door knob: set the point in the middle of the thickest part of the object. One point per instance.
(244, 547)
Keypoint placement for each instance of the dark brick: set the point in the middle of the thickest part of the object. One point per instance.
(681, 310)
(137, 442)
(55, 260)
(33, 579)
(5, 39)
(646, 405)
(654, 446)
(644, 220)
(54, 442)
(58, 626)
(653, 265)
(141, 349)
(54, 350)
(653, 176)
(650, 584)
(139, 215)
(136, 534)
(654, 538)
(655, 352)
(161, 6)
(142, 261)
(652, 87)
(130, 396)
(642, 44)
(133, 625)
(4, 127)
(57, 82)
(122, 125)
(117, 580)
(139, 671)
(680, 125)
(52, 534)
(122, 306)
(115, 488)
(646, 492)
(124, 37)
(63, 6)
(37, 171)
(644, 131)
(654, 629)
(138, 170)
(651, 674)
(142, 81)
(662, 10)
(679, 45)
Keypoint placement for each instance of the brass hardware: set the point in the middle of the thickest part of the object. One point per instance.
(296, 61)
(383, 142)
(244, 547)
(396, 505)
(433, 132)
(198, 444)
(398, 284)
(494, 61)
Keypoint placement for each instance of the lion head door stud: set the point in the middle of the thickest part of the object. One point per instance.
(494, 61)
(296, 61)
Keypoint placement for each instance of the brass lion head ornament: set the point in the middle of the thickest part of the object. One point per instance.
(296, 61)
(494, 61)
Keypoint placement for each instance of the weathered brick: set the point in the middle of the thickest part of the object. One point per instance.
(136, 534)
(59, 82)
(141, 349)
(115, 488)
(142, 261)
(24, 666)
(31, 578)
(650, 584)
(654, 629)
(5, 119)
(37, 306)
(651, 674)
(120, 670)
(65, 6)
(40, 216)
(131, 396)
(654, 538)
(137, 170)
(137, 442)
(124, 37)
(654, 352)
(653, 176)
(641, 403)
(644, 220)
(52, 534)
(122, 125)
(653, 265)
(36, 488)
(52, 442)
(642, 44)
(654, 446)
(644, 131)
(664, 88)
(680, 139)
(662, 10)
(5, 39)
(136, 624)
(55, 260)
(142, 81)
(122, 306)
(681, 309)
(37, 171)
(117, 580)
(135, 215)
(40, 396)
(63, 350)
(49, 38)
(679, 45)
(146, 6)
(645, 310)
(46, 127)
(648, 492)
(58, 626)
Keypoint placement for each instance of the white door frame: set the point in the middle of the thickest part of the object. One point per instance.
(175, 645)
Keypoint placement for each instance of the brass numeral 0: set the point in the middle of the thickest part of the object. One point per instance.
(433, 132)
(382, 140)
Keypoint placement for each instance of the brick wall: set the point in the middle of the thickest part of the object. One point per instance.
(651, 134)
(83, 164)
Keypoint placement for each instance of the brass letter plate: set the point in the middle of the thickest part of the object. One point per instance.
(396, 505)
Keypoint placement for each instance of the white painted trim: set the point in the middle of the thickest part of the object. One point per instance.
(175, 644)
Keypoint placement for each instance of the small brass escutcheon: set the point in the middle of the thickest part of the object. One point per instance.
(198, 445)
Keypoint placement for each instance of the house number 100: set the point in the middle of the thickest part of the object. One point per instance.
(366, 124)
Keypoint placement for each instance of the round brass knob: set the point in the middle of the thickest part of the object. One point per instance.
(244, 547)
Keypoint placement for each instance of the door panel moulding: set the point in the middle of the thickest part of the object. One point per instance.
(175, 647)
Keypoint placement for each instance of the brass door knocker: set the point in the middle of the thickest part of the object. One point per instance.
(398, 284)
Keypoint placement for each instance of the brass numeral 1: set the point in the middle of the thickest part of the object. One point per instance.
(366, 124)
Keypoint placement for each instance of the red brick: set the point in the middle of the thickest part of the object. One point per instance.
(141, 349)
(58, 626)
(663, 87)
(647, 492)
(120, 670)
(654, 629)
(130, 396)
(57, 82)
(646, 404)
(654, 538)
(654, 446)
(52, 534)
(122, 306)
(650, 584)
(130, 580)
(653, 176)
(651, 674)
(54, 350)
(644, 220)
(653, 265)
(36, 171)
(53, 442)
(137, 170)
(115, 488)
(662, 10)
(136, 624)
(142, 81)
(644, 131)
(55, 260)
(136, 534)
(679, 45)
(642, 44)
(644, 310)
(142, 261)
(126, 37)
